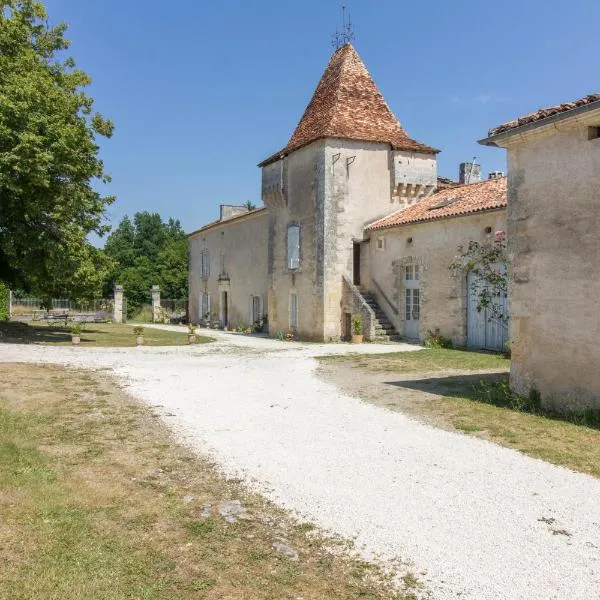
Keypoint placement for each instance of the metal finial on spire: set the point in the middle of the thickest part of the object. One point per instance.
(346, 36)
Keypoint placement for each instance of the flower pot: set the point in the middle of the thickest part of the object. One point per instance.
(357, 339)
(75, 339)
(191, 338)
(139, 340)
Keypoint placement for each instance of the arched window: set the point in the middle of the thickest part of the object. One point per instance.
(293, 246)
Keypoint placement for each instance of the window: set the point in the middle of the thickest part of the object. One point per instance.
(380, 243)
(204, 264)
(255, 309)
(593, 133)
(293, 312)
(293, 247)
(412, 272)
(204, 305)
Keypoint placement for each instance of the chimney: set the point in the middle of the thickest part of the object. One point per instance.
(228, 211)
(469, 172)
(496, 174)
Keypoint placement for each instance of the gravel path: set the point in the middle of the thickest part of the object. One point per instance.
(473, 520)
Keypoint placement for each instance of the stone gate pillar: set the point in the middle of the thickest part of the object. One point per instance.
(118, 304)
(155, 303)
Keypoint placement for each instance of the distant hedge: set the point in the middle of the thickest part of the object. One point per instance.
(3, 301)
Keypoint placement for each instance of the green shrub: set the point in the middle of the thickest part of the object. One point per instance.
(138, 330)
(76, 329)
(4, 291)
(357, 325)
(434, 339)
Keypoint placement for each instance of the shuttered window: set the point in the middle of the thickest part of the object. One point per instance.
(204, 264)
(293, 247)
(204, 305)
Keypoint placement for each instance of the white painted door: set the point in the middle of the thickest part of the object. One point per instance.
(412, 291)
(486, 330)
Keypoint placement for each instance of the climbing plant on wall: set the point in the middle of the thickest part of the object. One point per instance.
(487, 261)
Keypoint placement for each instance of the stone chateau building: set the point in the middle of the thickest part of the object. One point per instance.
(355, 221)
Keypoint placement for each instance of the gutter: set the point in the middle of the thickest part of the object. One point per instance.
(496, 139)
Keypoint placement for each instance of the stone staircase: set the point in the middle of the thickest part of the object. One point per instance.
(384, 330)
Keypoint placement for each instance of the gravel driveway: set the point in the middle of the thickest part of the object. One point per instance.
(471, 519)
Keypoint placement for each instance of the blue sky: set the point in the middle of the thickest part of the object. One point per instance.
(201, 91)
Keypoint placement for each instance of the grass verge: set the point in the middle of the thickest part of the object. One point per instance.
(428, 360)
(97, 501)
(93, 334)
(448, 388)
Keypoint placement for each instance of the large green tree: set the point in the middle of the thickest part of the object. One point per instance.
(48, 160)
(146, 252)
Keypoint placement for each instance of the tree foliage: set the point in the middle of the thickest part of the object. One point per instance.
(488, 262)
(48, 160)
(147, 252)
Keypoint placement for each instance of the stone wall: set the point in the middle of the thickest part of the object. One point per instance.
(554, 246)
(237, 251)
(431, 245)
(357, 191)
(292, 190)
(332, 189)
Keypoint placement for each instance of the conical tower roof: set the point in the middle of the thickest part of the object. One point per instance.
(348, 105)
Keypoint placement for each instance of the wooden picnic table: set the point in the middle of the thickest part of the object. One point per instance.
(62, 316)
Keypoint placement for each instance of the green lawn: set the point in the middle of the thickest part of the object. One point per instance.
(428, 360)
(93, 334)
(98, 502)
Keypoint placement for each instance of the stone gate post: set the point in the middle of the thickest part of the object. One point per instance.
(118, 304)
(155, 303)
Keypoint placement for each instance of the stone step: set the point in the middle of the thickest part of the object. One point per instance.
(384, 329)
(382, 338)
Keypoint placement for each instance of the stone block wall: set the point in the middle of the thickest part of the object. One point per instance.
(554, 247)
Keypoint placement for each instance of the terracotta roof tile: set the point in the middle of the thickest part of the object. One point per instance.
(452, 202)
(348, 105)
(544, 113)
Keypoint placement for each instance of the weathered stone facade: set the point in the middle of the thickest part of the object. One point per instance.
(228, 266)
(554, 249)
(432, 246)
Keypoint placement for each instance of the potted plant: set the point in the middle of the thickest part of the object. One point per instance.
(192, 333)
(76, 330)
(139, 335)
(357, 329)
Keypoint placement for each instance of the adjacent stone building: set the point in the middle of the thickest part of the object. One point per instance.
(409, 255)
(228, 268)
(349, 177)
(554, 250)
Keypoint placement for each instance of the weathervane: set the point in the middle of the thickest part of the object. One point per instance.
(346, 36)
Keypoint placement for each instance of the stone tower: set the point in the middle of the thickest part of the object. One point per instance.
(348, 162)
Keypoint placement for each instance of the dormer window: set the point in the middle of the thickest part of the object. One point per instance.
(293, 247)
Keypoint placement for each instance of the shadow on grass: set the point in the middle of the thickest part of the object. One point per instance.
(22, 333)
(494, 389)
(456, 386)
